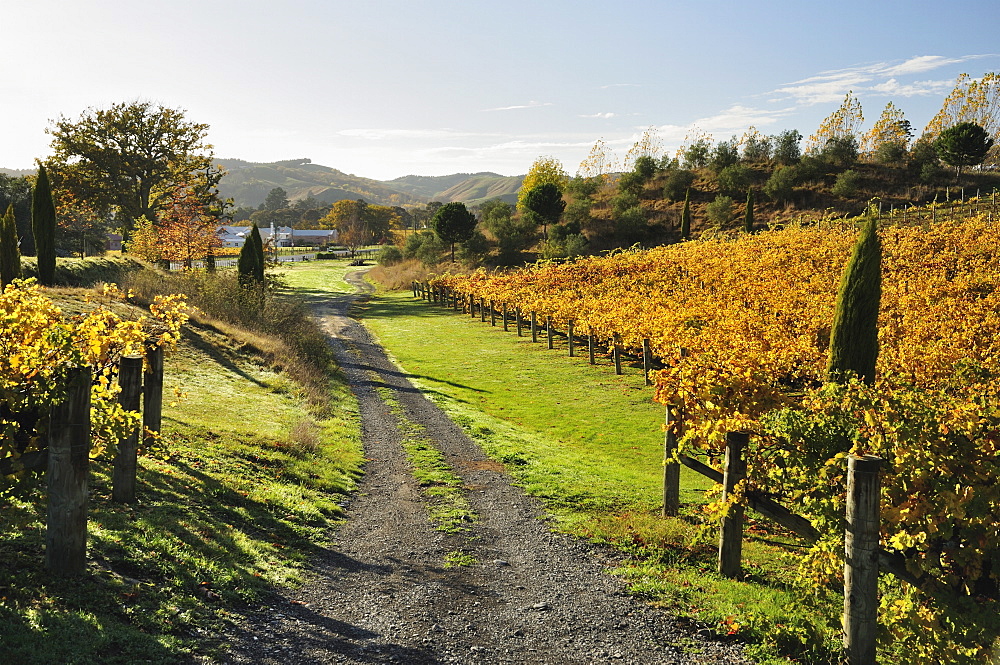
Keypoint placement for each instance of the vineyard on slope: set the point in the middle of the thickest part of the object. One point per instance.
(742, 326)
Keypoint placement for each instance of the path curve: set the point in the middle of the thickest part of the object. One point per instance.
(382, 594)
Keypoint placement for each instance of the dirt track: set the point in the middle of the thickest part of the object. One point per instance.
(382, 594)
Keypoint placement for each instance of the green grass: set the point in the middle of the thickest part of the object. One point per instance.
(239, 494)
(589, 444)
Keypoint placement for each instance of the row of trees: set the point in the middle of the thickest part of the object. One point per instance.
(43, 227)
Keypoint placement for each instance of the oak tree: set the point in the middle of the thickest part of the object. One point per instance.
(453, 223)
(128, 159)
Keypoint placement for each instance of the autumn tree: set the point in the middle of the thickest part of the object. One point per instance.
(891, 129)
(964, 144)
(187, 228)
(599, 164)
(544, 170)
(754, 146)
(648, 145)
(453, 223)
(78, 226)
(695, 150)
(10, 254)
(352, 221)
(840, 125)
(971, 100)
(127, 160)
(43, 227)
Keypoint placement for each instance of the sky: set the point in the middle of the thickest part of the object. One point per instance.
(387, 88)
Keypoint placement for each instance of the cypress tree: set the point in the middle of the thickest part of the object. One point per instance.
(258, 247)
(43, 227)
(10, 255)
(854, 337)
(686, 217)
(246, 264)
(748, 217)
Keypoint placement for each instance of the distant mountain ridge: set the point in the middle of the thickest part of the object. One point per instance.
(248, 184)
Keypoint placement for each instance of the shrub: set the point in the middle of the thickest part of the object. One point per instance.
(630, 225)
(781, 185)
(677, 184)
(734, 179)
(389, 255)
(622, 202)
(720, 211)
(847, 184)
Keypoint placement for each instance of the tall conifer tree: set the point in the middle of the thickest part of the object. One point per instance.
(10, 254)
(748, 216)
(854, 337)
(43, 227)
(686, 217)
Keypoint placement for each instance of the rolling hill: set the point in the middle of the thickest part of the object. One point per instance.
(248, 183)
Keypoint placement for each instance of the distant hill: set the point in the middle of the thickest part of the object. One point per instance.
(248, 183)
(18, 173)
(469, 188)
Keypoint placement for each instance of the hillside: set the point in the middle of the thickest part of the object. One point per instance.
(248, 183)
(470, 188)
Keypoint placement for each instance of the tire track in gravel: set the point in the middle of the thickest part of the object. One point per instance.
(382, 594)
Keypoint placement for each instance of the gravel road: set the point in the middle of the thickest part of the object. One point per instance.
(382, 593)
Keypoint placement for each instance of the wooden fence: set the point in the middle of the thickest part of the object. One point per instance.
(863, 559)
(66, 459)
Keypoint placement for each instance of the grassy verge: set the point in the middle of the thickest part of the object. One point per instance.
(238, 496)
(588, 443)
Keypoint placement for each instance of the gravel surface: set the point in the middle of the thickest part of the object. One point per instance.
(382, 593)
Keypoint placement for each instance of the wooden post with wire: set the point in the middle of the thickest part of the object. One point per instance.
(731, 533)
(861, 559)
(123, 475)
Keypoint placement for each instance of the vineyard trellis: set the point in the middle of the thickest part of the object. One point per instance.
(940, 258)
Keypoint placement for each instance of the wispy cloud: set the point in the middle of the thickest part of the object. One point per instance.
(599, 115)
(376, 134)
(529, 105)
(620, 85)
(881, 78)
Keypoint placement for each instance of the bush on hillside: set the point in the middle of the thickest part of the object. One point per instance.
(389, 255)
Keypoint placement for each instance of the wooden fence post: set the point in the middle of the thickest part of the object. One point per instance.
(68, 466)
(671, 469)
(534, 327)
(548, 330)
(861, 559)
(591, 343)
(616, 351)
(569, 337)
(454, 299)
(493, 314)
(152, 393)
(647, 360)
(731, 533)
(505, 317)
(123, 476)
(472, 306)
(482, 310)
(517, 317)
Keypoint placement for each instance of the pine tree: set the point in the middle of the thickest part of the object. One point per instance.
(748, 216)
(854, 338)
(10, 255)
(43, 227)
(686, 217)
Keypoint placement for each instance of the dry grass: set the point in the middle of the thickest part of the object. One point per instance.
(404, 273)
